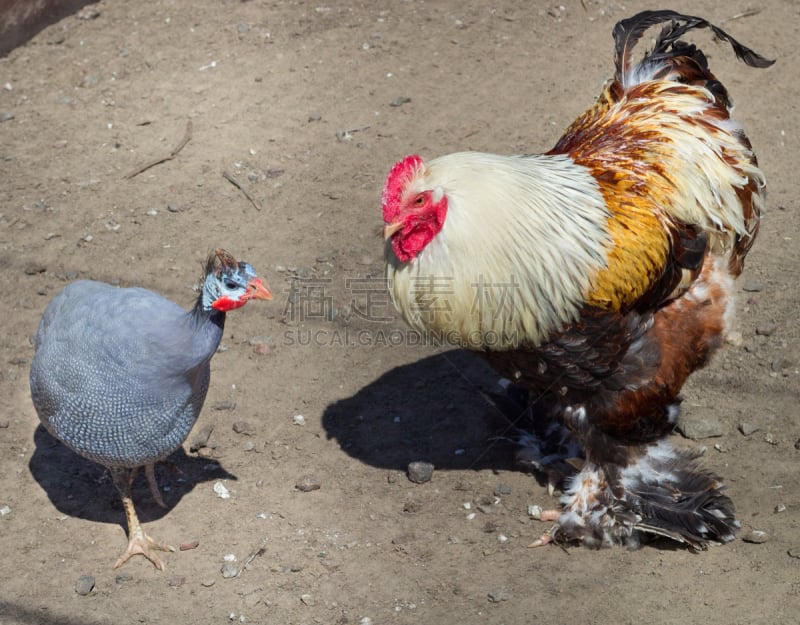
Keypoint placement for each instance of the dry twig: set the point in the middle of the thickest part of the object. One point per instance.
(186, 138)
(230, 178)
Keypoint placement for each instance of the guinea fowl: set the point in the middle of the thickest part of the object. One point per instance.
(120, 375)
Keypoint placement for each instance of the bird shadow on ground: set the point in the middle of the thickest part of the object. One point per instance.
(81, 488)
(433, 410)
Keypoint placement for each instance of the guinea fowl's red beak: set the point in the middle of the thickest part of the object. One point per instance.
(257, 290)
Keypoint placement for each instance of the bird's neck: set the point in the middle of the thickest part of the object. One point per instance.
(203, 315)
(522, 239)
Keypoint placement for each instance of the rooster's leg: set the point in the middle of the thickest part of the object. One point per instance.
(139, 543)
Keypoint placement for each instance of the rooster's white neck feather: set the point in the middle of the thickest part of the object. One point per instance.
(522, 239)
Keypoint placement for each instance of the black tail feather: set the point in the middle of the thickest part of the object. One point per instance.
(628, 32)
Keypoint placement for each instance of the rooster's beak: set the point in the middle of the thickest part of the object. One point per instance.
(257, 290)
(390, 229)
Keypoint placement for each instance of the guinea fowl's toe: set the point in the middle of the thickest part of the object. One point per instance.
(142, 544)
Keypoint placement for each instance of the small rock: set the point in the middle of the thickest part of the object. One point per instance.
(420, 472)
(229, 570)
(781, 364)
(176, 580)
(243, 427)
(781, 507)
(700, 427)
(88, 13)
(797, 444)
(188, 545)
(208, 582)
(794, 552)
(766, 329)
(121, 578)
(402, 539)
(314, 117)
(307, 483)
(200, 439)
(5, 510)
(84, 585)
(755, 536)
(4, 423)
(31, 269)
(307, 599)
(400, 101)
(299, 419)
(752, 286)
(225, 404)
(502, 489)
(748, 428)
(249, 446)
(221, 490)
(6, 116)
(496, 596)
(734, 338)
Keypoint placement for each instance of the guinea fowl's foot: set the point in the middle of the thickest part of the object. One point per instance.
(662, 492)
(140, 543)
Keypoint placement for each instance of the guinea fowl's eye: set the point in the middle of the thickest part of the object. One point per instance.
(420, 200)
(230, 284)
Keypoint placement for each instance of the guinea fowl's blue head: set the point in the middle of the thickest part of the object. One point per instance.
(229, 284)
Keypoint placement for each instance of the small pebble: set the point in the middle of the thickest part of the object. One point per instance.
(502, 489)
(755, 536)
(200, 439)
(307, 483)
(229, 570)
(31, 269)
(299, 419)
(766, 329)
(225, 404)
(187, 545)
(794, 552)
(797, 444)
(420, 472)
(307, 599)
(314, 117)
(4, 423)
(780, 508)
(208, 582)
(176, 580)
(496, 596)
(221, 491)
(400, 101)
(752, 286)
(84, 585)
(700, 427)
(5, 510)
(748, 428)
(243, 427)
(121, 578)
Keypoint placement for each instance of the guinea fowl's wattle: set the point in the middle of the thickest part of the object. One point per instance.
(120, 375)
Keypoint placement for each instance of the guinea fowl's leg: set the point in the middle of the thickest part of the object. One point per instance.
(138, 541)
(150, 474)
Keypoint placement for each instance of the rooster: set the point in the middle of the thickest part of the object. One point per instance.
(597, 277)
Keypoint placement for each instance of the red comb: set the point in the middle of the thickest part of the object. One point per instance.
(402, 172)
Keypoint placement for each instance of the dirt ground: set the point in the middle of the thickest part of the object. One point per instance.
(307, 105)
